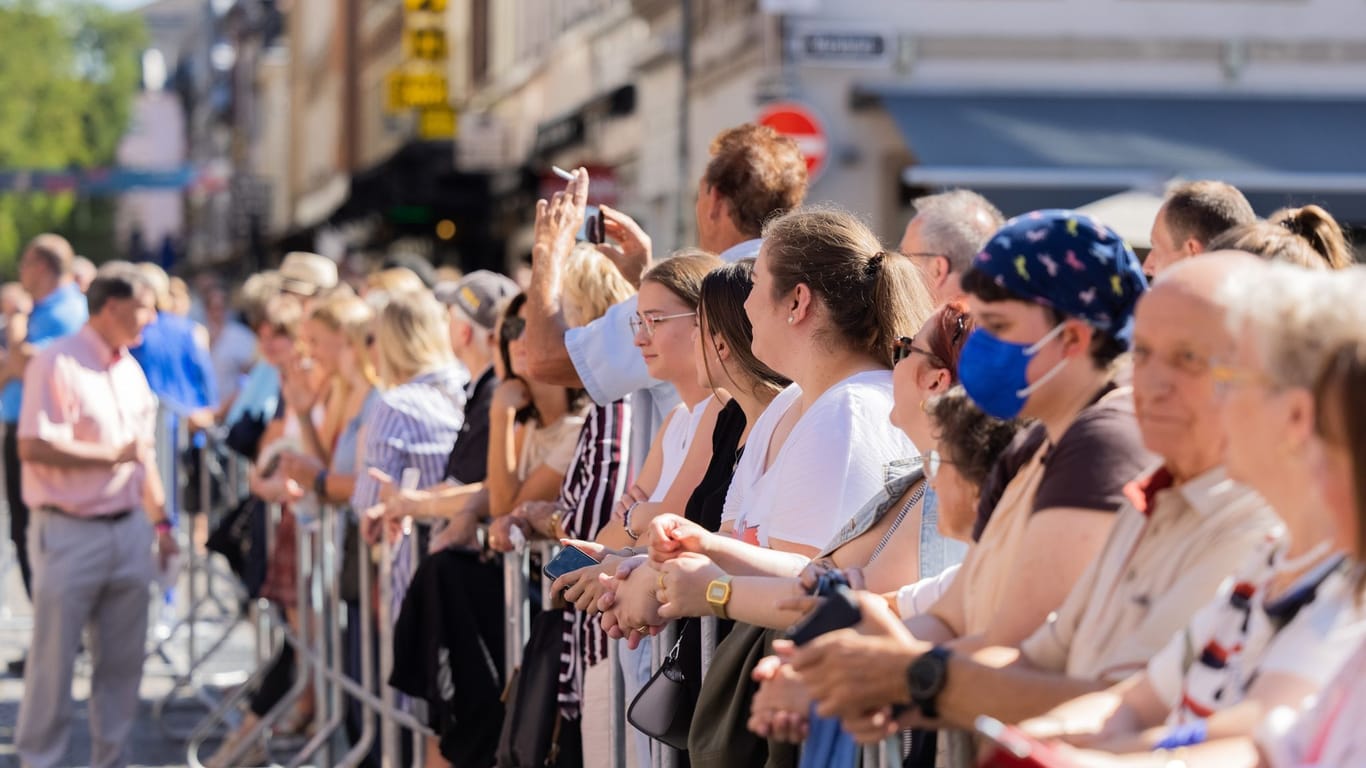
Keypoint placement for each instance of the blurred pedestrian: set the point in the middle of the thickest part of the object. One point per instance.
(59, 309)
(83, 271)
(86, 435)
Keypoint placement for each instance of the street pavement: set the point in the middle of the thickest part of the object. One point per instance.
(154, 742)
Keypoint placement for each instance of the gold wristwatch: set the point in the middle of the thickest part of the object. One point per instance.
(718, 596)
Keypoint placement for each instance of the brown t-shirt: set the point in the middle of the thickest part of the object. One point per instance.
(1087, 468)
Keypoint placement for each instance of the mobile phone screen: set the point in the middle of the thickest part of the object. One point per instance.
(591, 231)
(569, 559)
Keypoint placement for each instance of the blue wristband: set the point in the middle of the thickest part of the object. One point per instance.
(1185, 735)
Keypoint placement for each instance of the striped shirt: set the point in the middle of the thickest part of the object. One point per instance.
(598, 475)
(413, 425)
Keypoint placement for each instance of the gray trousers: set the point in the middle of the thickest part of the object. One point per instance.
(86, 572)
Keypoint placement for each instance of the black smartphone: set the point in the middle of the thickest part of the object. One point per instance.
(569, 559)
(838, 610)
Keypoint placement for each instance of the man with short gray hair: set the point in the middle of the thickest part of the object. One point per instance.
(86, 429)
(946, 234)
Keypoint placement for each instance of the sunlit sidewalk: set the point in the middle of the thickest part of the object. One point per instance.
(154, 742)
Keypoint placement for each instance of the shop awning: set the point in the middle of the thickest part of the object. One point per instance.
(1093, 140)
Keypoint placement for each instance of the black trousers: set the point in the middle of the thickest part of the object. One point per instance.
(18, 513)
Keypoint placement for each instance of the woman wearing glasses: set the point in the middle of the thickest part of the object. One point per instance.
(901, 517)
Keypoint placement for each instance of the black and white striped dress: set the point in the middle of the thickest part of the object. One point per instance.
(599, 474)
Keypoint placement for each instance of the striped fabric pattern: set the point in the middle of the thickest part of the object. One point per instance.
(413, 425)
(597, 477)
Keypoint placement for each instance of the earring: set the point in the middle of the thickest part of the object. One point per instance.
(791, 319)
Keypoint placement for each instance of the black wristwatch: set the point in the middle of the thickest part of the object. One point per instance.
(926, 678)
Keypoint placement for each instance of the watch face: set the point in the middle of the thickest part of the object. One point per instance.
(926, 677)
(716, 593)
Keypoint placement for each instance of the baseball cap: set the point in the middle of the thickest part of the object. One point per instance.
(478, 295)
(307, 273)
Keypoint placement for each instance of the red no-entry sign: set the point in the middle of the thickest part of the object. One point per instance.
(798, 121)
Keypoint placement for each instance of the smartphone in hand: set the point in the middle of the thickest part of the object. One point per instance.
(569, 559)
(838, 610)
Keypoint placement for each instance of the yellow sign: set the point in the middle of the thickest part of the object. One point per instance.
(433, 6)
(409, 90)
(436, 123)
(425, 43)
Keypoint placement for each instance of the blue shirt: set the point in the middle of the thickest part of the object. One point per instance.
(60, 313)
(259, 395)
(178, 369)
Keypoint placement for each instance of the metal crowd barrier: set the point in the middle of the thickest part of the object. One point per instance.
(200, 585)
(316, 643)
(317, 646)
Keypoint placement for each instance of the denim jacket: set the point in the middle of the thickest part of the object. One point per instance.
(936, 551)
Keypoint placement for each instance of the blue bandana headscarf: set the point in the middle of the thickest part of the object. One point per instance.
(1070, 262)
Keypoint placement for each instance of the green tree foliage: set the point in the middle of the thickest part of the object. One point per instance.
(69, 72)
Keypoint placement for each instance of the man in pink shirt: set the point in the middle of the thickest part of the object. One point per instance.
(89, 474)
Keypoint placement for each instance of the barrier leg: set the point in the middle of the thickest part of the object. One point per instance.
(616, 724)
(326, 646)
(389, 747)
(361, 749)
(517, 612)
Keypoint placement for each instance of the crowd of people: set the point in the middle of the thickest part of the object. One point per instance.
(1011, 489)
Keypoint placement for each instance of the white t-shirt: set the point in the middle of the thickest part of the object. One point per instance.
(829, 466)
(1328, 731)
(675, 443)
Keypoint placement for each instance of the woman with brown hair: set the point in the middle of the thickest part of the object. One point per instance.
(1308, 237)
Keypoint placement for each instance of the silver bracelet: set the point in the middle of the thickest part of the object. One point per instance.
(626, 520)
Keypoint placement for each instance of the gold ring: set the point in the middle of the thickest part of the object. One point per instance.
(643, 628)
(661, 580)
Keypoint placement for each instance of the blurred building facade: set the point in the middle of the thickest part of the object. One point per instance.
(1033, 102)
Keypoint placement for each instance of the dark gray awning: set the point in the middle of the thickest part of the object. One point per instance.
(1259, 143)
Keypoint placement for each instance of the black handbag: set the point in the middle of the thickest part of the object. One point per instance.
(663, 708)
(535, 734)
(240, 537)
(244, 436)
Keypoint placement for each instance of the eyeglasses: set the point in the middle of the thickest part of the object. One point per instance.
(1227, 376)
(905, 346)
(513, 328)
(648, 322)
(932, 462)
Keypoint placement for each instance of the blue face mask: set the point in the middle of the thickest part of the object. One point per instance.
(994, 372)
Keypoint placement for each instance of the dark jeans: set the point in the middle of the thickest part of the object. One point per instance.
(18, 513)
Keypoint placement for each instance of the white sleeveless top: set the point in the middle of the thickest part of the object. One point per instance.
(678, 437)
